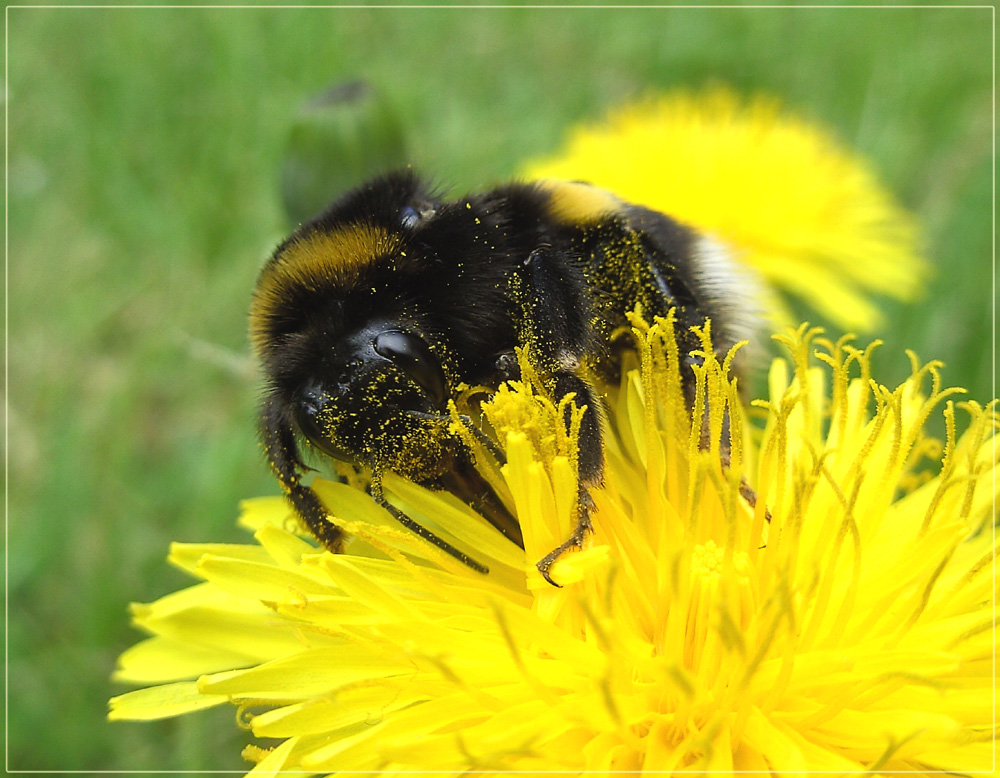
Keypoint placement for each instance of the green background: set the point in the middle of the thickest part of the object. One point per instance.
(144, 154)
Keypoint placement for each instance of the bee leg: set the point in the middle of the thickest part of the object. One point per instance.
(283, 455)
(747, 492)
(420, 530)
(313, 513)
(464, 481)
(557, 325)
(484, 440)
(590, 465)
(583, 527)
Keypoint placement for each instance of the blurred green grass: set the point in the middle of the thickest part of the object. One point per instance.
(144, 155)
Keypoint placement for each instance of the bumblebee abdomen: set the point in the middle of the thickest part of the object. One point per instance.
(634, 256)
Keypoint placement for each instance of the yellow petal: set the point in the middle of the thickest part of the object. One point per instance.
(160, 702)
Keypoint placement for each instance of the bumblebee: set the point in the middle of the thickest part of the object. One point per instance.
(368, 318)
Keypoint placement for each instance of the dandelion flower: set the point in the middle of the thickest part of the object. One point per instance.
(852, 632)
(809, 217)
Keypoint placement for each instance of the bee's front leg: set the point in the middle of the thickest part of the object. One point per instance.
(556, 324)
(590, 464)
(282, 452)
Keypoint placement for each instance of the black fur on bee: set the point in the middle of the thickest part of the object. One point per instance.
(368, 317)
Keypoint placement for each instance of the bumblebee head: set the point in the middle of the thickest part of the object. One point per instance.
(348, 360)
(371, 393)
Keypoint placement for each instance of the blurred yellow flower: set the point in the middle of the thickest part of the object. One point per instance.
(807, 215)
(851, 633)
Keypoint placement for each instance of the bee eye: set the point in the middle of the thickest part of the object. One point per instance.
(412, 355)
(412, 215)
(409, 217)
